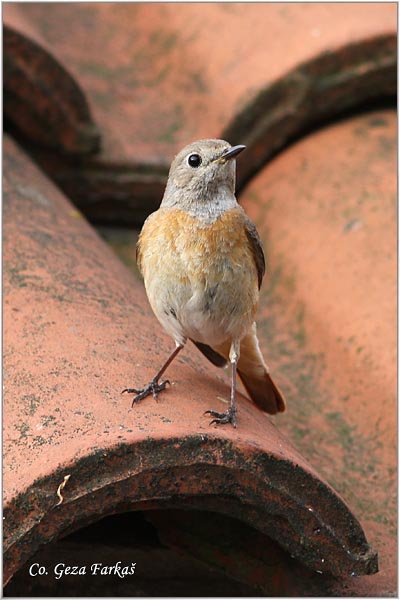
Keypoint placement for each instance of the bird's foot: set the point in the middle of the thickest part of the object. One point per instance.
(223, 418)
(151, 388)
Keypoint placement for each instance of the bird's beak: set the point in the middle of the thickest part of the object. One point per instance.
(231, 152)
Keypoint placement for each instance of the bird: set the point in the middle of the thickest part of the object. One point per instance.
(202, 262)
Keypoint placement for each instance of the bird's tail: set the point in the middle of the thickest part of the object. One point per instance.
(264, 392)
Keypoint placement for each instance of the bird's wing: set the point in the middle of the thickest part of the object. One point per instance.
(212, 355)
(256, 248)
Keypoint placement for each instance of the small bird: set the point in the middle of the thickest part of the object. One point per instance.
(202, 263)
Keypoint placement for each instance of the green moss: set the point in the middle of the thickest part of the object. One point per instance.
(299, 433)
(158, 77)
(198, 82)
(102, 70)
(168, 135)
(378, 122)
(300, 334)
(48, 420)
(343, 430)
(274, 278)
(23, 429)
(162, 41)
(31, 401)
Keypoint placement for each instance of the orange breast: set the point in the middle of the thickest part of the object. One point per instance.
(178, 241)
(192, 258)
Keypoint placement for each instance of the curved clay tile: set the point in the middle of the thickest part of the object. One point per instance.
(41, 99)
(77, 329)
(158, 76)
(326, 209)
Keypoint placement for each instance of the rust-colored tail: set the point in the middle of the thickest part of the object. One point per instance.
(264, 392)
(255, 377)
(252, 371)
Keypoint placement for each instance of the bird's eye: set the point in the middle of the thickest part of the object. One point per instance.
(194, 160)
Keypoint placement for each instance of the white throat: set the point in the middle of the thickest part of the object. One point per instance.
(207, 208)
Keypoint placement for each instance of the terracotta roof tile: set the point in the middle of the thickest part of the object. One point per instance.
(77, 329)
(326, 211)
(159, 75)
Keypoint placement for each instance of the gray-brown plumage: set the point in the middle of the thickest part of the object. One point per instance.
(203, 264)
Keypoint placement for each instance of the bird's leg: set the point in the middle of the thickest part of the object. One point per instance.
(154, 387)
(230, 415)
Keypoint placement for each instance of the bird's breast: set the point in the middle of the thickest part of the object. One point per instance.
(204, 274)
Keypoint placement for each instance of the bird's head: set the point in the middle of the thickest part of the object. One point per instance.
(203, 172)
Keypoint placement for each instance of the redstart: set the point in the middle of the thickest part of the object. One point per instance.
(202, 263)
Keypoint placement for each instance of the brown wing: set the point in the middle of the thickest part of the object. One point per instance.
(212, 355)
(256, 248)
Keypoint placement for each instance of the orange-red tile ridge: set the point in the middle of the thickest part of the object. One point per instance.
(77, 329)
(326, 209)
(159, 75)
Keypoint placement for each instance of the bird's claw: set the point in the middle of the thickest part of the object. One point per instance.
(222, 418)
(151, 388)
